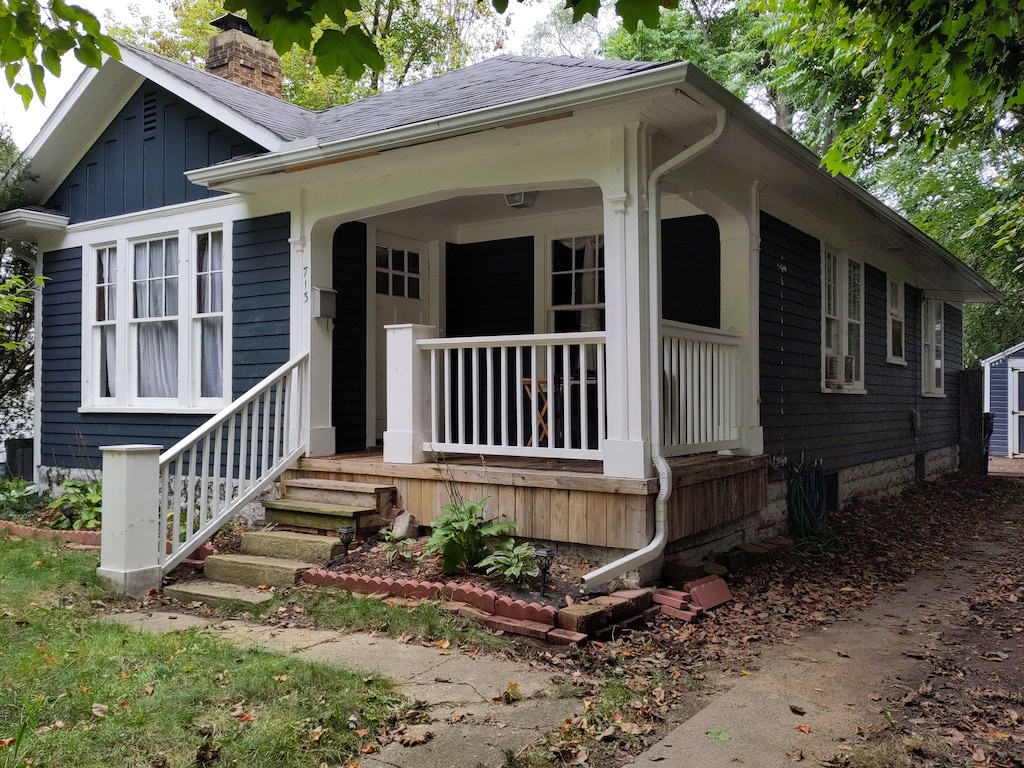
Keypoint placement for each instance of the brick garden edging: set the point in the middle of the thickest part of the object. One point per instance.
(598, 618)
(87, 538)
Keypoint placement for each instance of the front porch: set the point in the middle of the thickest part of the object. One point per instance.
(569, 501)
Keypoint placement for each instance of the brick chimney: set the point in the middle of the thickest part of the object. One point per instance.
(238, 55)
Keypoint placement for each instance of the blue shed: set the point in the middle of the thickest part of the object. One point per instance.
(1004, 399)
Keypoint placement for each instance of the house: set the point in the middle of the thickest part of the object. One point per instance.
(1003, 398)
(606, 295)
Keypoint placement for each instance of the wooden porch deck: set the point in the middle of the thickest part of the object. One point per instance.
(565, 500)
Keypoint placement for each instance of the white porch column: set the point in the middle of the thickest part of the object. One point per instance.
(627, 449)
(740, 243)
(409, 404)
(130, 547)
(313, 258)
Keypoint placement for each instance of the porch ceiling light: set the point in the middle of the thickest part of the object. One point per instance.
(520, 199)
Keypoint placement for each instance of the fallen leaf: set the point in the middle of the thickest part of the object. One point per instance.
(443, 644)
(315, 734)
(719, 735)
(8, 741)
(81, 686)
(150, 687)
(369, 749)
(414, 739)
(100, 710)
(631, 728)
(875, 697)
(803, 728)
(797, 710)
(580, 757)
(844, 654)
(281, 678)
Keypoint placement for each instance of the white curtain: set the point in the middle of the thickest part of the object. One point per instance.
(108, 360)
(156, 295)
(210, 272)
(211, 332)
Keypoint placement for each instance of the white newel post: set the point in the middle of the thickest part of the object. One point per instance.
(130, 547)
(408, 425)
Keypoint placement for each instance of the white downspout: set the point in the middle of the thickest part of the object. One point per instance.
(638, 558)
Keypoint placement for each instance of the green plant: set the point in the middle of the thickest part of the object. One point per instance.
(514, 564)
(463, 536)
(80, 505)
(18, 498)
(393, 547)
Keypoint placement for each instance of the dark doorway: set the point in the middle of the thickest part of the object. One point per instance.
(348, 385)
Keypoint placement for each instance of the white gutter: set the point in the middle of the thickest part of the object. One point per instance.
(302, 154)
(636, 559)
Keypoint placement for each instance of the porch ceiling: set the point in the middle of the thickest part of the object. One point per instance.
(491, 207)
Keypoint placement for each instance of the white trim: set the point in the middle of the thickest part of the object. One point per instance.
(1008, 352)
(928, 342)
(889, 317)
(26, 224)
(841, 263)
(185, 226)
(148, 217)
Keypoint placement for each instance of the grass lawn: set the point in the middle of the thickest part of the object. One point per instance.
(78, 691)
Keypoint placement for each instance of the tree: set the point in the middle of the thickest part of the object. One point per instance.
(18, 286)
(557, 35)
(416, 39)
(36, 36)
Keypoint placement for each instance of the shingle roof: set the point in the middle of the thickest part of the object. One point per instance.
(279, 117)
(491, 83)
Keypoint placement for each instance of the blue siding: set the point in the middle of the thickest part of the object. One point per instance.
(140, 160)
(998, 406)
(260, 344)
(843, 430)
(260, 256)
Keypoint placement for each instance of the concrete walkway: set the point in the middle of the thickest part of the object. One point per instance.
(840, 677)
(459, 693)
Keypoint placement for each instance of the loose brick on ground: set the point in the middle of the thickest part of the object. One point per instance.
(519, 626)
(565, 637)
(583, 617)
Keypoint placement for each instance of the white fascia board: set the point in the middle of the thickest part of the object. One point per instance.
(432, 130)
(27, 225)
(1004, 354)
(707, 88)
(202, 101)
(76, 123)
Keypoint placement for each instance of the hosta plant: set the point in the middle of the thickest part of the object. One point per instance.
(463, 537)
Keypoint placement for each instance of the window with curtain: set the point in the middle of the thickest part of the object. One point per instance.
(105, 320)
(209, 317)
(897, 305)
(577, 283)
(156, 310)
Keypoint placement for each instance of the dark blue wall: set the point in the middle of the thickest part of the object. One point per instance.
(260, 344)
(843, 430)
(261, 305)
(140, 160)
(998, 406)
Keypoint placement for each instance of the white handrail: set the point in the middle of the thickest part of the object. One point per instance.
(218, 468)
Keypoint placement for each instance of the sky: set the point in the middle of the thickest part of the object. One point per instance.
(25, 125)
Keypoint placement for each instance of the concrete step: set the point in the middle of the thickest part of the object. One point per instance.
(379, 497)
(254, 570)
(304, 547)
(215, 593)
(319, 516)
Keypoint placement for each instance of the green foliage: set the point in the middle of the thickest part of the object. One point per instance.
(393, 548)
(463, 536)
(80, 505)
(18, 499)
(37, 35)
(512, 563)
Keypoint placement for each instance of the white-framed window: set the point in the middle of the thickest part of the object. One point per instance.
(398, 272)
(842, 322)
(155, 321)
(932, 361)
(896, 325)
(577, 283)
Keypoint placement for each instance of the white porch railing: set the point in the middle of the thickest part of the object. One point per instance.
(223, 465)
(526, 395)
(700, 391)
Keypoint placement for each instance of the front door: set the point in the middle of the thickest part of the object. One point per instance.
(400, 277)
(1016, 396)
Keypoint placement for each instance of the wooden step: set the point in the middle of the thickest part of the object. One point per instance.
(305, 547)
(321, 517)
(255, 570)
(379, 497)
(216, 593)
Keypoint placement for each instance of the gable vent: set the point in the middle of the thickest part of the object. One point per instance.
(149, 112)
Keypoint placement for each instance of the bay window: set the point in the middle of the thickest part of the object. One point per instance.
(156, 335)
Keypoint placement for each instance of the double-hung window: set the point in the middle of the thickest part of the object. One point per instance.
(842, 326)
(896, 322)
(932, 362)
(577, 283)
(156, 325)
